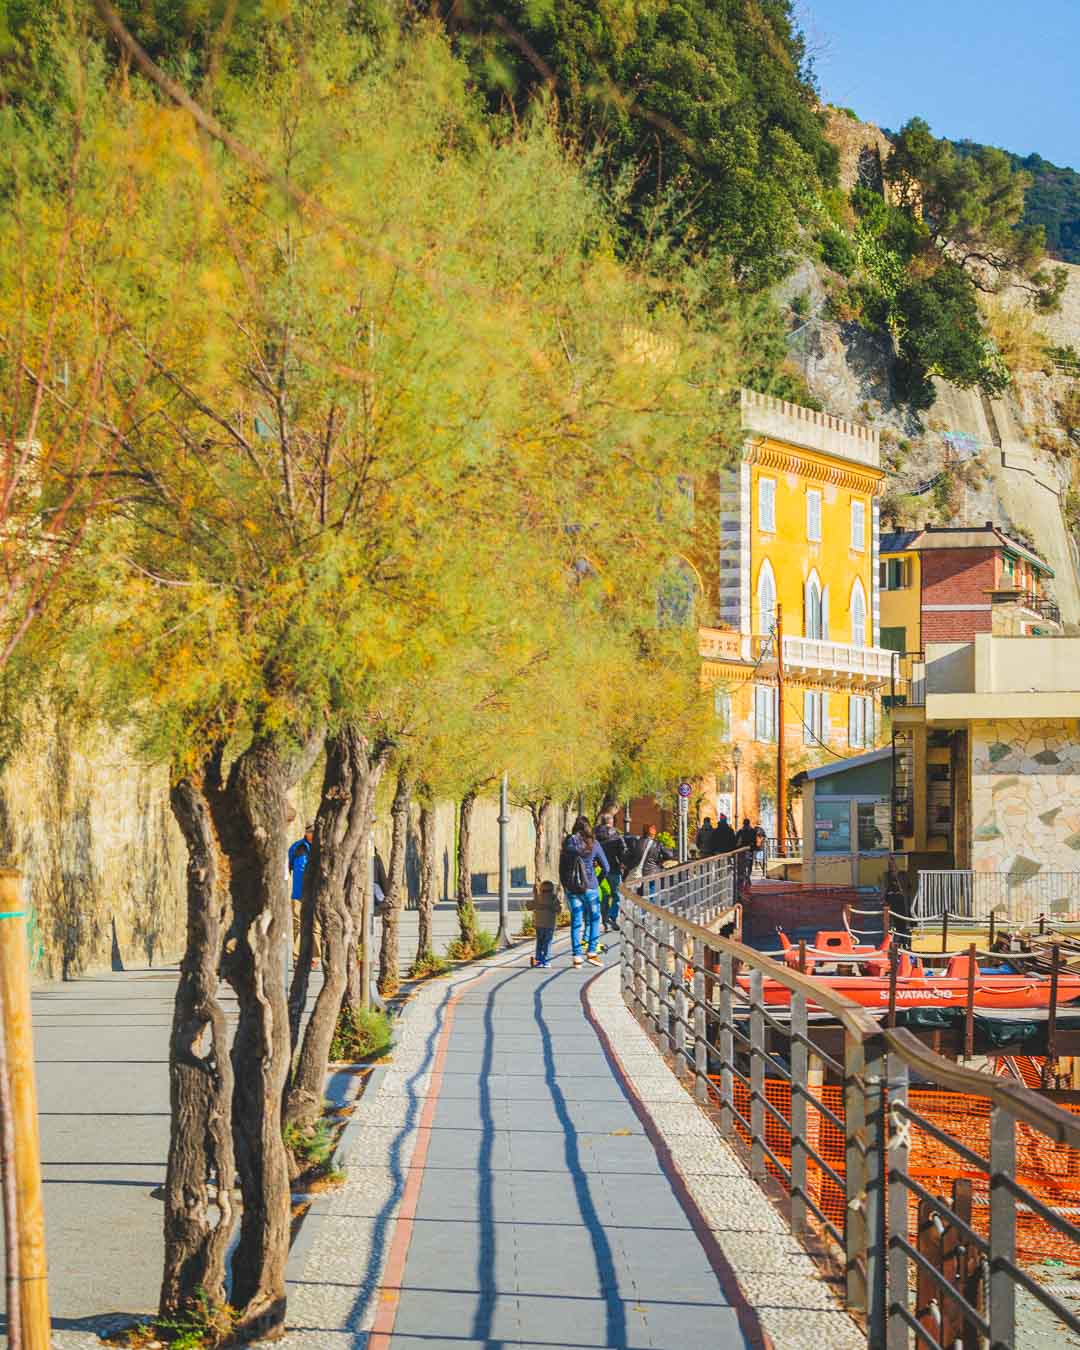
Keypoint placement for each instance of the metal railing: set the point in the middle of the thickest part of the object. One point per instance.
(907, 682)
(1042, 605)
(965, 894)
(701, 890)
(703, 998)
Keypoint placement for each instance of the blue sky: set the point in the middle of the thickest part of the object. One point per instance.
(998, 71)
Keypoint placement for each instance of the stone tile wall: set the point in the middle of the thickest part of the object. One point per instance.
(1025, 796)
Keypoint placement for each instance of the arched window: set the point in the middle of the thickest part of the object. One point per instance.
(858, 614)
(813, 614)
(766, 597)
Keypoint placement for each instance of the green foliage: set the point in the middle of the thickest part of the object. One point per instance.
(427, 964)
(360, 1034)
(837, 251)
(702, 117)
(480, 944)
(972, 205)
(665, 838)
(1052, 200)
(940, 332)
(311, 1145)
(202, 1325)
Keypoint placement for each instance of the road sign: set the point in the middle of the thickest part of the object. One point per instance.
(685, 790)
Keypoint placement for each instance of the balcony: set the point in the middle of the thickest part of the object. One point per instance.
(866, 667)
(1041, 606)
(720, 644)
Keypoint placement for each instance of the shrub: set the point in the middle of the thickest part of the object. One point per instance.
(427, 964)
(200, 1325)
(837, 251)
(310, 1145)
(665, 839)
(361, 1033)
(482, 943)
(1021, 344)
(528, 923)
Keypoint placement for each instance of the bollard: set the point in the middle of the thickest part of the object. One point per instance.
(15, 995)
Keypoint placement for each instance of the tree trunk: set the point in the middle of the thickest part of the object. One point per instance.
(202, 1165)
(358, 882)
(610, 801)
(425, 937)
(540, 812)
(465, 911)
(342, 822)
(250, 815)
(399, 822)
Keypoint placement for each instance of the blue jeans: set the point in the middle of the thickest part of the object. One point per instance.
(609, 909)
(584, 915)
(543, 945)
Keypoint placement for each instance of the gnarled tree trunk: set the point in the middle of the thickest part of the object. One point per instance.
(395, 877)
(425, 935)
(250, 814)
(466, 911)
(342, 827)
(358, 881)
(199, 1216)
(540, 812)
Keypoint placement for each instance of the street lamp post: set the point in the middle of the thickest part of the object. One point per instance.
(503, 937)
(736, 760)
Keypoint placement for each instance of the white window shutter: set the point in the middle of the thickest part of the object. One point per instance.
(808, 717)
(825, 614)
(853, 723)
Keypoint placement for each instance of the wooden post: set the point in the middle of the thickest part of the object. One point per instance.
(802, 956)
(969, 1011)
(993, 929)
(15, 995)
(781, 781)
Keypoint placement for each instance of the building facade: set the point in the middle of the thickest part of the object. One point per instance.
(797, 578)
(946, 583)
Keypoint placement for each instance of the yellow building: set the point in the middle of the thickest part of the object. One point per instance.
(798, 556)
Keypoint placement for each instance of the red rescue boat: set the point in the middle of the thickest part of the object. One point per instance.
(862, 975)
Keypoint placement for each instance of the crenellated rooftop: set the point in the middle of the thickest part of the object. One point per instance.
(782, 421)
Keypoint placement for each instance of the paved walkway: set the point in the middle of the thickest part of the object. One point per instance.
(529, 1173)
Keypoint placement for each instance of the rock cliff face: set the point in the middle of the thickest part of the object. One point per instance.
(969, 457)
(101, 857)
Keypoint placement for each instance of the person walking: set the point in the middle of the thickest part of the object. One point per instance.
(723, 836)
(299, 854)
(647, 857)
(746, 839)
(577, 863)
(614, 846)
(545, 911)
(704, 837)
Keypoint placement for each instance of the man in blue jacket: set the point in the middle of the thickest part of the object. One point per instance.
(299, 853)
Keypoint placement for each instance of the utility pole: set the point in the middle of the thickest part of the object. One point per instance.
(781, 780)
(15, 1009)
(502, 938)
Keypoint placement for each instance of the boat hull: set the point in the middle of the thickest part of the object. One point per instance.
(994, 991)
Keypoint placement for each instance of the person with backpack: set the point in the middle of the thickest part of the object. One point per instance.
(704, 838)
(746, 839)
(614, 846)
(577, 861)
(646, 858)
(723, 840)
(299, 854)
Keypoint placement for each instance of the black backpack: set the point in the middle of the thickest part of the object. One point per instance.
(573, 872)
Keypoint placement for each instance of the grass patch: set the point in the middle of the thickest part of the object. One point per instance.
(361, 1033)
(427, 964)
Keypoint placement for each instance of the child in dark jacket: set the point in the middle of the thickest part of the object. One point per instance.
(545, 910)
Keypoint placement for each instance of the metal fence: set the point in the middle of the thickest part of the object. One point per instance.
(1011, 897)
(701, 890)
(703, 997)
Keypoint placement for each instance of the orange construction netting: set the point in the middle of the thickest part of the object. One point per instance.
(1050, 1171)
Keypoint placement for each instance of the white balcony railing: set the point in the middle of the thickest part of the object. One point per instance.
(869, 665)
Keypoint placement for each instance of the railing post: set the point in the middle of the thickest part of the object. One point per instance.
(678, 1015)
(663, 976)
(855, 1172)
(726, 1040)
(877, 1135)
(799, 1085)
(757, 1076)
(1002, 1292)
(701, 1044)
(897, 1336)
(652, 973)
